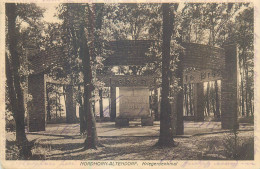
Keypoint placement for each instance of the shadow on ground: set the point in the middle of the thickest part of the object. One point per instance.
(125, 144)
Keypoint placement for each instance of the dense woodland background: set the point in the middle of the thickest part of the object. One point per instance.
(85, 29)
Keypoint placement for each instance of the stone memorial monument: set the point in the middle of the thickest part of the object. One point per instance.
(134, 103)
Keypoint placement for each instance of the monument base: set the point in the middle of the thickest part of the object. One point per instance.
(229, 123)
(122, 122)
(147, 121)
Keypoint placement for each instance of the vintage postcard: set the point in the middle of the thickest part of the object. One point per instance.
(129, 84)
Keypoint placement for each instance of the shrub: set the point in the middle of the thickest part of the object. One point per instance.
(238, 149)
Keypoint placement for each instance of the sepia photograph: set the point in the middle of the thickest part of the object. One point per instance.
(159, 82)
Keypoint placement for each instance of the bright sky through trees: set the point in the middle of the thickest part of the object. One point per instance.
(49, 14)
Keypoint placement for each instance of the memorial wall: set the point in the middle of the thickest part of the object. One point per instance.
(134, 102)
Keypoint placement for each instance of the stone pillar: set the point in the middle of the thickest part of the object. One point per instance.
(198, 102)
(113, 103)
(70, 105)
(229, 89)
(37, 106)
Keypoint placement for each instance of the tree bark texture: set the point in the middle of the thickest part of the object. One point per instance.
(166, 130)
(101, 103)
(14, 84)
(91, 140)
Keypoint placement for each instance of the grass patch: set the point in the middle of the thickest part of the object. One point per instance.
(39, 152)
(236, 148)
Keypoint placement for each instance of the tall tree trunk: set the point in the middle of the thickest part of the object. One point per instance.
(251, 103)
(247, 91)
(91, 140)
(113, 101)
(213, 107)
(242, 68)
(213, 101)
(56, 104)
(217, 100)
(82, 119)
(166, 129)
(65, 100)
(156, 113)
(212, 28)
(179, 75)
(186, 99)
(59, 105)
(242, 96)
(48, 103)
(93, 108)
(101, 104)
(245, 75)
(208, 110)
(190, 97)
(14, 84)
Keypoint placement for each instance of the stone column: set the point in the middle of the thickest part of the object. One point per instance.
(229, 87)
(198, 102)
(70, 105)
(37, 106)
(113, 103)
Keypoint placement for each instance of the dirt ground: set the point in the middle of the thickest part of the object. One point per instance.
(64, 146)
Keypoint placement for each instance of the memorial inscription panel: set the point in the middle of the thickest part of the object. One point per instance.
(201, 76)
(127, 80)
(134, 102)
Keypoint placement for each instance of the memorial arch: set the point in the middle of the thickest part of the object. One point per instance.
(209, 63)
(205, 63)
(37, 85)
